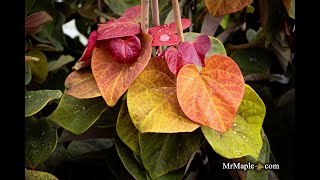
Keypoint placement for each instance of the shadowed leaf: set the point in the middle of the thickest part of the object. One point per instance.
(290, 6)
(39, 69)
(163, 153)
(34, 21)
(27, 74)
(32, 175)
(223, 7)
(210, 24)
(34, 101)
(77, 115)
(126, 130)
(244, 136)
(57, 64)
(153, 104)
(113, 79)
(121, 6)
(212, 97)
(40, 140)
(81, 85)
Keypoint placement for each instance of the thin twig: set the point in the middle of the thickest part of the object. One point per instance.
(177, 18)
(144, 16)
(101, 19)
(155, 12)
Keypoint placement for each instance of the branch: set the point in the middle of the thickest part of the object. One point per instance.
(177, 17)
(101, 18)
(155, 12)
(145, 16)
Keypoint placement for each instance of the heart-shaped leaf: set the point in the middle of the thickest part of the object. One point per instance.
(152, 101)
(118, 28)
(81, 85)
(223, 7)
(113, 79)
(124, 50)
(31, 174)
(162, 153)
(166, 35)
(85, 59)
(40, 140)
(244, 136)
(194, 52)
(126, 130)
(173, 59)
(212, 97)
(34, 101)
(77, 115)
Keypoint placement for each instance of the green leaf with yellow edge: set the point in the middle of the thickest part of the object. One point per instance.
(39, 175)
(223, 7)
(162, 153)
(244, 136)
(126, 130)
(152, 101)
(216, 45)
(291, 7)
(34, 101)
(113, 79)
(27, 74)
(129, 161)
(77, 115)
(82, 85)
(40, 140)
(211, 97)
(39, 69)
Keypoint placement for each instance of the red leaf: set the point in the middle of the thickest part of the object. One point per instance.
(172, 58)
(85, 59)
(166, 35)
(119, 28)
(132, 13)
(124, 50)
(194, 52)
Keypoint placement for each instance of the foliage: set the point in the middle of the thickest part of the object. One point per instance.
(211, 82)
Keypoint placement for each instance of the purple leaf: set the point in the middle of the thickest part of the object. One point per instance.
(172, 58)
(124, 50)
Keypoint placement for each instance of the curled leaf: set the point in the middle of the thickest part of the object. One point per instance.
(34, 21)
(124, 50)
(85, 59)
(132, 13)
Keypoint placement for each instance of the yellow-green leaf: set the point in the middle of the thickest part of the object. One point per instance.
(244, 137)
(290, 6)
(38, 175)
(27, 74)
(126, 130)
(223, 7)
(39, 69)
(152, 101)
(34, 101)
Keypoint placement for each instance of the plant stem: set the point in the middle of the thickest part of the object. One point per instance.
(155, 12)
(144, 16)
(101, 19)
(177, 17)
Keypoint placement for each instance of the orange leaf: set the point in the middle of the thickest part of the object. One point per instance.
(212, 97)
(152, 101)
(81, 85)
(223, 7)
(113, 79)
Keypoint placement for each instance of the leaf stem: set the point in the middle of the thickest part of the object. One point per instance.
(155, 13)
(101, 18)
(177, 17)
(144, 16)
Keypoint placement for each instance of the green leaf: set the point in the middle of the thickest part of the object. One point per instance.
(162, 153)
(39, 68)
(263, 159)
(244, 136)
(80, 147)
(126, 130)
(129, 161)
(120, 6)
(77, 115)
(39, 175)
(216, 46)
(37, 100)
(27, 6)
(251, 34)
(27, 74)
(56, 64)
(253, 60)
(40, 140)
